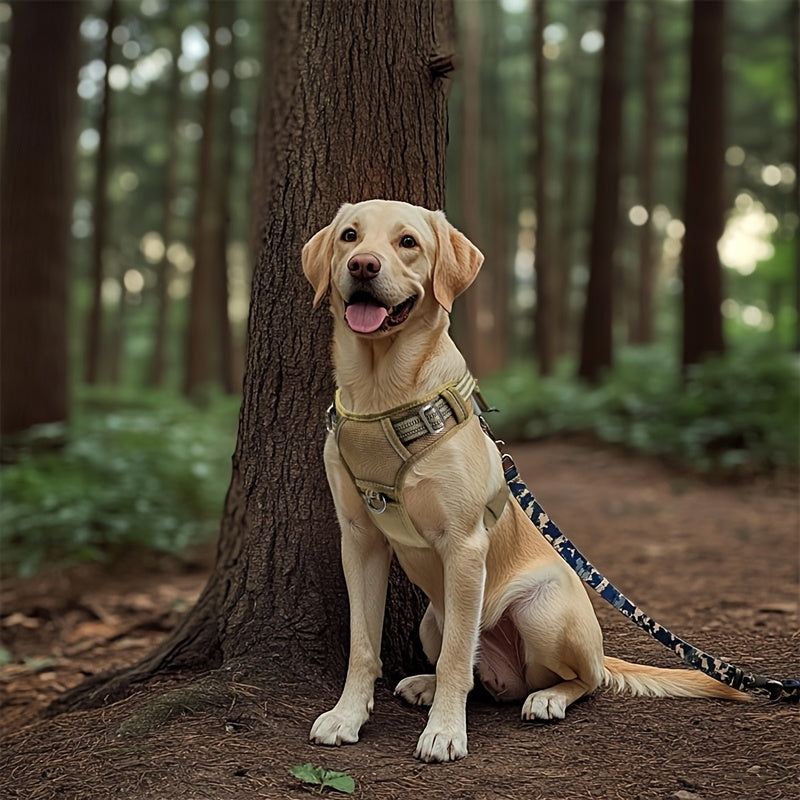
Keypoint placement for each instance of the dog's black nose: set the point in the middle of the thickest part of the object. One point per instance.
(364, 266)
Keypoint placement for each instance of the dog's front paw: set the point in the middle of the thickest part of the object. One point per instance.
(441, 744)
(545, 705)
(336, 727)
(418, 690)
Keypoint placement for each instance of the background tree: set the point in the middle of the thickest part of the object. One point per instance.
(597, 332)
(275, 598)
(546, 323)
(643, 317)
(35, 214)
(476, 316)
(94, 328)
(704, 200)
(205, 332)
(169, 193)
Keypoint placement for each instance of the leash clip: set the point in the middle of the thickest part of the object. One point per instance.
(330, 418)
(788, 689)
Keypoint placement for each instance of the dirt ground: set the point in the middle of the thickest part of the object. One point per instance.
(717, 564)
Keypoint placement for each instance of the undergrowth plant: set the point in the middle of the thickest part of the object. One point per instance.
(733, 415)
(146, 471)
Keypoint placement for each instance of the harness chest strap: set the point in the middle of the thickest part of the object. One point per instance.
(378, 450)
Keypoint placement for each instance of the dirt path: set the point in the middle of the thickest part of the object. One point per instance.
(717, 564)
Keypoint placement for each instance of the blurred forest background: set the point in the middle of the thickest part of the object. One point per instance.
(628, 168)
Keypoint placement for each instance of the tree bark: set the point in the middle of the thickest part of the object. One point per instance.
(36, 212)
(597, 332)
(354, 108)
(704, 203)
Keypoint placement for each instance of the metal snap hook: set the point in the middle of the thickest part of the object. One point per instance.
(375, 501)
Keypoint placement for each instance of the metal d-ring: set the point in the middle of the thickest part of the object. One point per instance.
(375, 501)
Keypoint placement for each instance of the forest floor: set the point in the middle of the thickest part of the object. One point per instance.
(717, 563)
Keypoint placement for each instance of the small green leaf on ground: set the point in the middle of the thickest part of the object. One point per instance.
(324, 778)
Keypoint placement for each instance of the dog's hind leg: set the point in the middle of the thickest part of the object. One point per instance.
(419, 690)
(563, 646)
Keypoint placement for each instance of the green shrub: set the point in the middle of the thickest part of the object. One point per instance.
(730, 415)
(148, 471)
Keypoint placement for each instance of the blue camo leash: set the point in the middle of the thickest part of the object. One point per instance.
(787, 689)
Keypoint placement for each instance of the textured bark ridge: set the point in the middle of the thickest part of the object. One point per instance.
(354, 107)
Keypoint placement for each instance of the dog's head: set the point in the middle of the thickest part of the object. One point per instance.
(383, 259)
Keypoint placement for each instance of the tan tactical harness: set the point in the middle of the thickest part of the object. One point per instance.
(378, 450)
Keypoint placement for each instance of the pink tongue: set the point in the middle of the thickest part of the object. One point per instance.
(365, 317)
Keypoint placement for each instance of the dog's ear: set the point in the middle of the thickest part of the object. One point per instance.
(457, 261)
(317, 257)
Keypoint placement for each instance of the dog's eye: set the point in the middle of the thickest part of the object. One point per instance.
(349, 235)
(408, 241)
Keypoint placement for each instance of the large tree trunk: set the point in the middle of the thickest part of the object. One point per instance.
(36, 212)
(597, 333)
(704, 203)
(355, 107)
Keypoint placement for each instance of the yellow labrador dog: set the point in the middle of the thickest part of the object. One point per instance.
(412, 473)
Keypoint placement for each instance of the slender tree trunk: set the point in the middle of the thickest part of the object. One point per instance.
(597, 334)
(158, 361)
(546, 309)
(478, 315)
(203, 335)
(795, 17)
(564, 246)
(224, 168)
(704, 202)
(276, 600)
(36, 212)
(500, 210)
(94, 329)
(642, 332)
(116, 334)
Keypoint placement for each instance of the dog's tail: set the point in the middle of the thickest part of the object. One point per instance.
(638, 679)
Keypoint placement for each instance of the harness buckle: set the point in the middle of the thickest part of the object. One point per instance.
(431, 418)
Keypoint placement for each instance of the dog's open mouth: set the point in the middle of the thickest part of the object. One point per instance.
(365, 314)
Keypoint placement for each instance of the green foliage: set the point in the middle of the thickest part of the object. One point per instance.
(731, 415)
(146, 470)
(324, 778)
